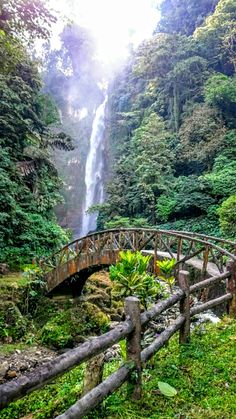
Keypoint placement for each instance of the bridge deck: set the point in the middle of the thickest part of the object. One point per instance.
(195, 263)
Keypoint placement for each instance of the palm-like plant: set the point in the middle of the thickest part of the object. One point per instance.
(131, 278)
(166, 267)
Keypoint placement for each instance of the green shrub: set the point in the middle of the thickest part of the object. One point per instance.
(131, 278)
(227, 213)
(166, 267)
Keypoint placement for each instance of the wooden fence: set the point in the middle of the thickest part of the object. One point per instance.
(130, 329)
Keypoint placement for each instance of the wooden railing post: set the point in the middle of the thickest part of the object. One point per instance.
(231, 287)
(93, 373)
(133, 345)
(155, 267)
(184, 334)
(205, 261)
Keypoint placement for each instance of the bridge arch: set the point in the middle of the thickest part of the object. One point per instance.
(88, 254)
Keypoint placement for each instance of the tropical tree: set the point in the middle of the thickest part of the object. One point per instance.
(29, 183)
(183, 16)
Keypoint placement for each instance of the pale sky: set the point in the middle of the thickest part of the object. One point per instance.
(113, 23)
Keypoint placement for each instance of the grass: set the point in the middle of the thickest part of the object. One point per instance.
(203, 373)
(13, 279)
(49, 402)
(9, 348)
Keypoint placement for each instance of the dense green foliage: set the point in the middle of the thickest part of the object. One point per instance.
(184, 17)
(29, 183)
(172, 124)
(227, 213)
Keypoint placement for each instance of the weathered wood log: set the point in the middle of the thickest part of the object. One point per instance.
(190, 256)
(231, 287)
(156, 269)
(133, 346)
(41, 375)
(160, 307)
(205, 261)
(210, 304)
(184, 333)
(95, 396)
(208, 282)
(167, 248)
(205, 237)
(93, 373)
(114, 381)
(160, 341)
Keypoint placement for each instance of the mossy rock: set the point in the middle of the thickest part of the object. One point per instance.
(13, 288)
(68, 326)
(97, 316)
(101, 299)
(13, 324)
(46, 310)
(98, 290)
(57, 335)
(100, 279)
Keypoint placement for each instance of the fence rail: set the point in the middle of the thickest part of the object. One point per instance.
(131, 330)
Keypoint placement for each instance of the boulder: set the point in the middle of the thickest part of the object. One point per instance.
(4, 268)
(4, 366)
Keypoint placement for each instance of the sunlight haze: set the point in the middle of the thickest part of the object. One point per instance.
(114, 24)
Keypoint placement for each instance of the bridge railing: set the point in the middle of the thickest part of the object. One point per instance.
(131, 330)
(212, 252)
(223, 243)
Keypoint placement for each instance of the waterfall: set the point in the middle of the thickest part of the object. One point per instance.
(94, 171)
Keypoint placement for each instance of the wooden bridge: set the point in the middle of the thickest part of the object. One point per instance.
(76, 261)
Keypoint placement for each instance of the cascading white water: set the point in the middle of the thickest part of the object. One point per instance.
(94, 170)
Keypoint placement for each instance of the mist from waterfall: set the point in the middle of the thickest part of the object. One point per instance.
(94, 171)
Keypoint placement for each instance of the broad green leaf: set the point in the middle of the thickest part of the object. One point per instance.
(166, 389)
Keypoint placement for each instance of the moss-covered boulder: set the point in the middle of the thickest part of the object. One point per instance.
(98, 290)
(73, 325)
(13, 324)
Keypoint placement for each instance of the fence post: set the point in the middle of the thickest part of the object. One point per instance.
(156, 270)
(133, 345)
(231, 287)
(184, 333)
(93, 373)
